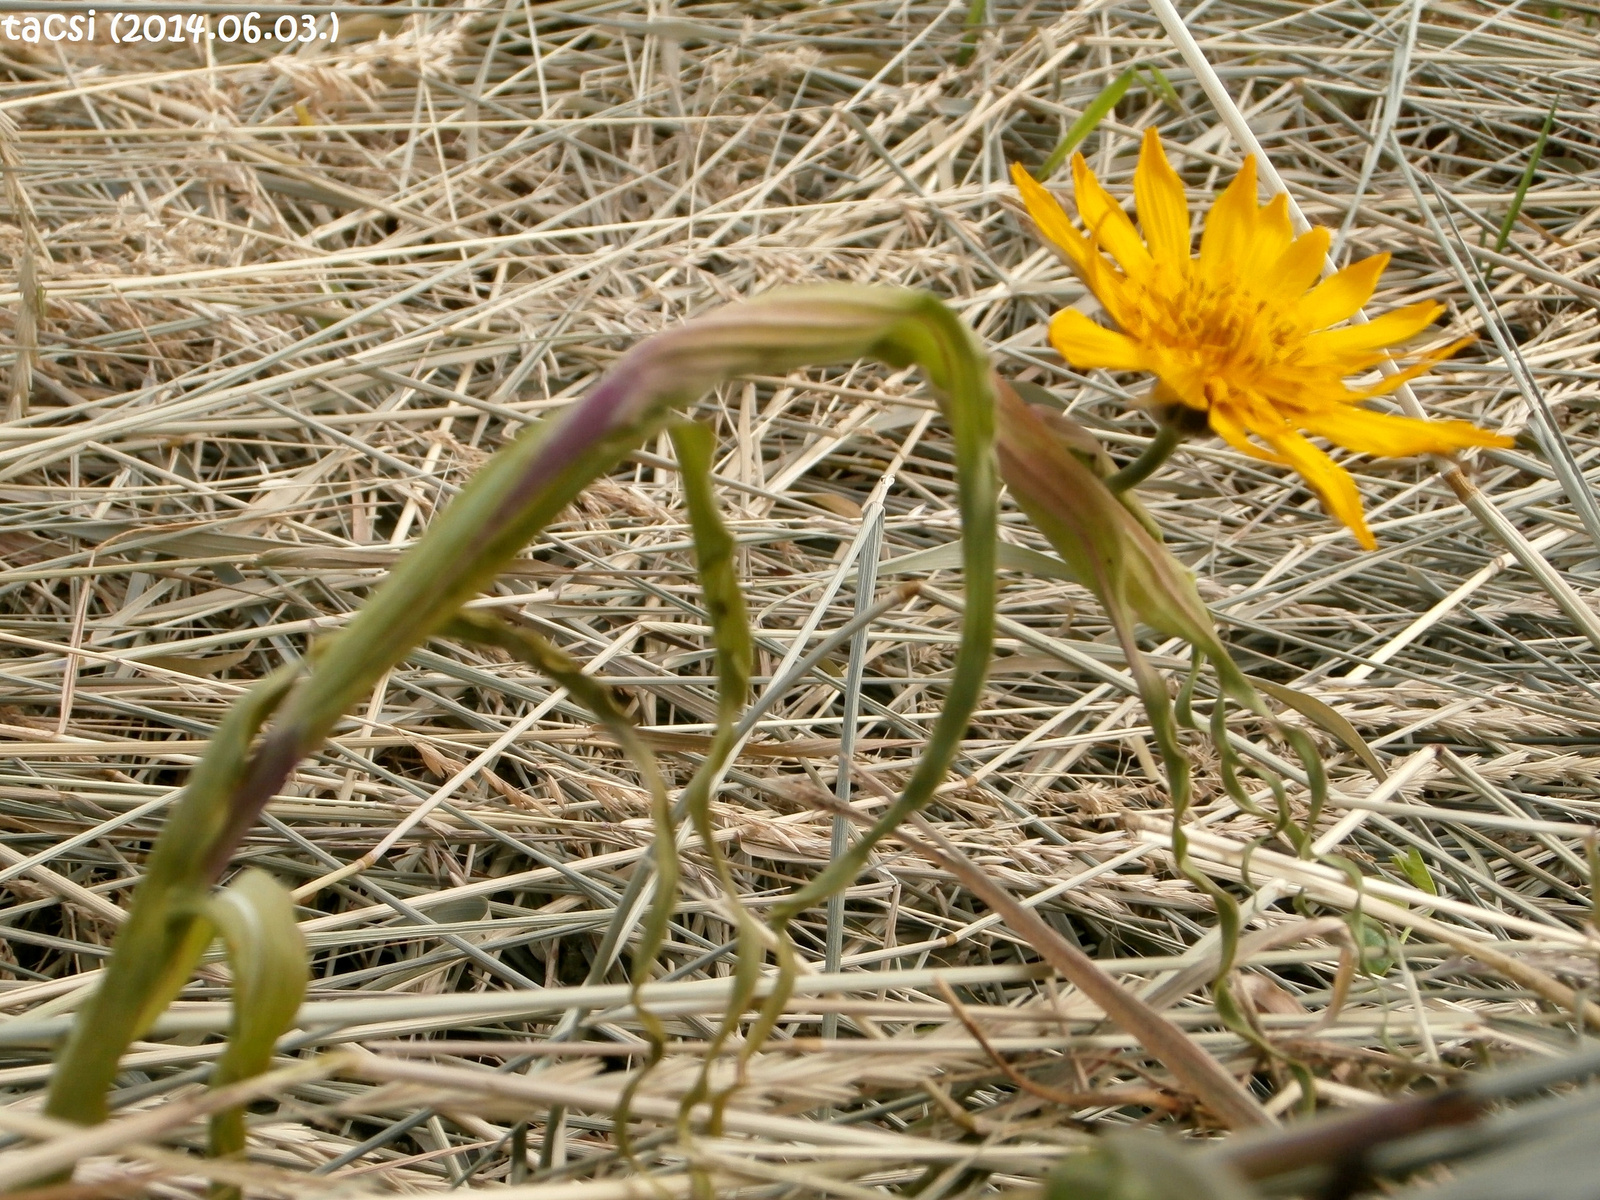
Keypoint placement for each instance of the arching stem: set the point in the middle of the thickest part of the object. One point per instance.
(1168, 436)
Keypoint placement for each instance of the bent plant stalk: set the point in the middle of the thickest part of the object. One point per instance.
(501, 509)
(1058, 476)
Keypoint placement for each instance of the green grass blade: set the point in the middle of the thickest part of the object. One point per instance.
(977, 16)
(1097, 111)
(1526, 181)
(1163, 88)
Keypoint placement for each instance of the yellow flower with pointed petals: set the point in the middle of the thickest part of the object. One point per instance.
(1243, 333)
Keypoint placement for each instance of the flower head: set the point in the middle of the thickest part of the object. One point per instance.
(1243, 333)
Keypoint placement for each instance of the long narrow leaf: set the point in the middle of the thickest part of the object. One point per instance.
(723, 597)
(1097, 111)
(1526, 181)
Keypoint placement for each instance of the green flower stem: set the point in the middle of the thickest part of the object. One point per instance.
(1167, 439)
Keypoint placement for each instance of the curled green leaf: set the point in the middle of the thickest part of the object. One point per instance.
(165, 934)
(254, 915)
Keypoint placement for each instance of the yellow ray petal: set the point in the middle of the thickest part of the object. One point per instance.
(1230, 223)
(1298, 267)
(1105, 221)
(1225, 424)
(1273, 235)
(1396, 437)
(1111, 288)
(1328, 479)
(1051, 218)
(1387, 330)
(1341, 295)
(1178, 375)
(1163, 211)
(1389, 383)
(1086, 345)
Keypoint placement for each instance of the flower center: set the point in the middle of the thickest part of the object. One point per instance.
(1214, 328)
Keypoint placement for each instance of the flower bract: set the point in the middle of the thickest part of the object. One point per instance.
(1243, 332)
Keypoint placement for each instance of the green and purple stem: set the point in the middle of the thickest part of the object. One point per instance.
(519, 491)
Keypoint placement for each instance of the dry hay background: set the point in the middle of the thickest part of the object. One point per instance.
(292, 302)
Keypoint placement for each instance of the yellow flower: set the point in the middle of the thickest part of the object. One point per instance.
(1243, 332)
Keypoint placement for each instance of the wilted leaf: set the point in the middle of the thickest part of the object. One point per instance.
(1328, 719)
(1105, 545)
(714, 547)
(267, 956)
(468, 544)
